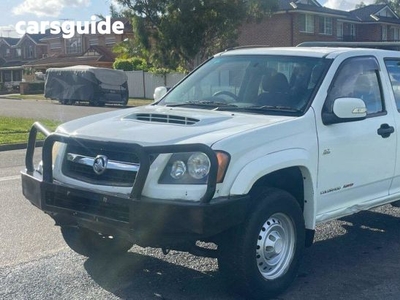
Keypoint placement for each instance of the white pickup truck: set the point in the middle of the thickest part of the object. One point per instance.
(248, 153)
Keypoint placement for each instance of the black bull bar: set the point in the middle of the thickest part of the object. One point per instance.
(142, 152)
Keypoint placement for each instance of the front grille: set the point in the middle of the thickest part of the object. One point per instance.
(119, 212)
(120, 171)
(160, 118)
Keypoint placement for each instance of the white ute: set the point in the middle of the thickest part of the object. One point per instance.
(250, 152)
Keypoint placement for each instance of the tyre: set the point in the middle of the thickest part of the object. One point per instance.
(262, 256)
(90, 243)
(125, 99)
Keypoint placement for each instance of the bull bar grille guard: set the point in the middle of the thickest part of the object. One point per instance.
(142, 152)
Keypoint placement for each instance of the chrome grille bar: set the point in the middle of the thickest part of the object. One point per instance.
(111, 164)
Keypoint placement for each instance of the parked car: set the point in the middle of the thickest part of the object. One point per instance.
(98, 86)
(250, 152)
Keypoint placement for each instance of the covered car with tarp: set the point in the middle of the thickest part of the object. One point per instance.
(98, 86)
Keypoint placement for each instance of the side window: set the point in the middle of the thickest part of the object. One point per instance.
(393, 68)
(358, 78)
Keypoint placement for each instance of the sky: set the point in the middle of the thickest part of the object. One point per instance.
(13, 11)
(344, 4)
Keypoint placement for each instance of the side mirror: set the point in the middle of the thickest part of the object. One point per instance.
(345, 110)
(159, 92)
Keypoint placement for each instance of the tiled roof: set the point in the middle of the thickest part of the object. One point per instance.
(10, 41)
(315, 7)
(107, 55)
(37, 37)
(364, 13)
(357, 15)
(104, 55)
(13, 63)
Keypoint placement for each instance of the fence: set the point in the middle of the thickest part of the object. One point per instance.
(142, 84)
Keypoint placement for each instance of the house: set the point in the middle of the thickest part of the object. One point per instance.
(15, 52)
(306, 20)
(6, 47)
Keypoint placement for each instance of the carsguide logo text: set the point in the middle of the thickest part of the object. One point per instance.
(69, 28)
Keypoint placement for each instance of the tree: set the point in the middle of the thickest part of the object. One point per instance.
(173, 33)
(393, 4)
(360, 5)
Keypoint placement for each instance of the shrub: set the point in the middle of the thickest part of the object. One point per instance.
(36, 87)
(131, 64)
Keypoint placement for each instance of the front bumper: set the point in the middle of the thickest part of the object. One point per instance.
(145, 221)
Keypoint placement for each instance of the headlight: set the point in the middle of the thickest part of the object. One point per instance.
(178, 169)
(198, 165)
(193, 168)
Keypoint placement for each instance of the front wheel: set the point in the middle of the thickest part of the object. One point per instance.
(262, 257)
(90, 243)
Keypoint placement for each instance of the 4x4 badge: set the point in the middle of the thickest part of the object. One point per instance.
(100, 164)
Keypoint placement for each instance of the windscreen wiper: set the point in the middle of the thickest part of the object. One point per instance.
(265, 108)
(277, 108)
(202, 103)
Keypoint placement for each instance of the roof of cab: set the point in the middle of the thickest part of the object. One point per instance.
(318, 52)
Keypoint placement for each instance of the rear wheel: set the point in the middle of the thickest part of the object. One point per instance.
(67, 101)
(262, 257)
(90, 243)
(125, 99)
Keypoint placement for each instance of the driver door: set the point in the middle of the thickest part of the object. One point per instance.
(356, 161)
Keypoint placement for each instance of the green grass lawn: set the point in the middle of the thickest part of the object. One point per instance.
(16, 130)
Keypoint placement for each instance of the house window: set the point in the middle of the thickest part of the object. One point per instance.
(8, 52)
(307, 23)
(395, 34)
(325, 25)
(55, 45)
(94, 41)
(17, 75)
(339, 30)
(74, 46)
(7, 76)
(30, 52)
(352, 30)
(111, 40)
(384, 33)
(19, 52)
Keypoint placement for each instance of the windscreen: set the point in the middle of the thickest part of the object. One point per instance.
(258, 83)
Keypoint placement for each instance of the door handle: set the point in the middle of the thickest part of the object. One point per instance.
(385, 130)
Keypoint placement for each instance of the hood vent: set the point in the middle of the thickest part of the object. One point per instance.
(160, 118)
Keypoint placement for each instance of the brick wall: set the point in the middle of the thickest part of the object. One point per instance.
(369, 32)
(274, 31)
(277, 31)
(283, 29)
